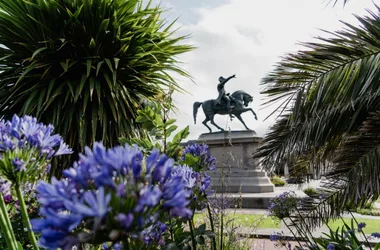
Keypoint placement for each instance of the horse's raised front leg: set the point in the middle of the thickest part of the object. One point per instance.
(241, 120)
(253, 112)
(248, 109)
(213, 123)
(205, 123)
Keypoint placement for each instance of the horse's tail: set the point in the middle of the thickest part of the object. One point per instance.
(196, 106)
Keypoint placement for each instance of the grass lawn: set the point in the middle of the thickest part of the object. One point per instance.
(371, 227)
(260, 221)
(243, 220)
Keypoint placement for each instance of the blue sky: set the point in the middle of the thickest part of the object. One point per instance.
(246, 38)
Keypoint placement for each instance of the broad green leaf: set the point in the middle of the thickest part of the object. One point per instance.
(89, 64)
(65, 65)
(36, 52)
(170, 130)
(181, 135)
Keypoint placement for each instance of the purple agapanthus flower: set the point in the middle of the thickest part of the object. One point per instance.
(108, 190)
(189, 176)
(176, 197)
(376, 235)
(197, 182)
(125, 220)
(275, 236)
(18, 164)
(153, 234)
(330, 246)
(207, 162)
(205, 185)
(26, 145)
(5, 186)
(361, 225)
(93, 204)
(283, 205)
(149, 197)
(116, 246)
(348, 234)
(26, 132)
(121, 190)
(8, 198)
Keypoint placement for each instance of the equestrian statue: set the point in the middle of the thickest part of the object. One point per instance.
(226, 104)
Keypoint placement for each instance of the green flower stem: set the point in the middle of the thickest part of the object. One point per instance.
(25, 217)
(295, 236)
(357, 223)
(307, 231)
(6, 226)
(6, 216)
(212, 226)
(192, 235)
(126, 244)
(171, 230)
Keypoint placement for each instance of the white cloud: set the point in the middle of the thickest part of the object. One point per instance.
(246, 38)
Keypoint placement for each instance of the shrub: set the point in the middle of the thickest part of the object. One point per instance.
(283, 205)
(310, 191)
(278, 181)
(85, 66)
(368, 211)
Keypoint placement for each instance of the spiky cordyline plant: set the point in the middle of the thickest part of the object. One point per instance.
(331, 99)
(84, 65)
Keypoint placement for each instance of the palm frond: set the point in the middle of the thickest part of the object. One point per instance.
(330, 81)
(337, 1)
(332, 116)
(342, 57)
(354, 177)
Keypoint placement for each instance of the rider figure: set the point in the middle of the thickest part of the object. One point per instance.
(222, 92)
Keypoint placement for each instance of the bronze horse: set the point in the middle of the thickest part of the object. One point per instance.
(239, 100)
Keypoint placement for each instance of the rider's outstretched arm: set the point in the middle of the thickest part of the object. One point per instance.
(228, 78)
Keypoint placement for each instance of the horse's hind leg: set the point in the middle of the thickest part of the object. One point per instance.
(205, 123)
(213, 123)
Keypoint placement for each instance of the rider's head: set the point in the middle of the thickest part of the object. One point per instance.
(221, 79)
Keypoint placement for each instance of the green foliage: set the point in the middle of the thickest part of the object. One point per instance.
(277, 181)
(342, 238)
(244, 220)
(310, 191)
(183, 238)
(18, 226)
(284, 205)
(299, 168)
(154, 119)
(231, 222)
(86, 65)
(372, 225)
(368, 211)
(31, 157)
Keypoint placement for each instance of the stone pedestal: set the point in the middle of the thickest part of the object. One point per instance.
(236, 171)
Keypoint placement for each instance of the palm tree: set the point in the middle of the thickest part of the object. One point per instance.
(85, 65)
(329, 109)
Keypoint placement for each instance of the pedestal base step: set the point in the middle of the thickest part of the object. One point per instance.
(253, 201)
(236, 172)
(244, 188)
